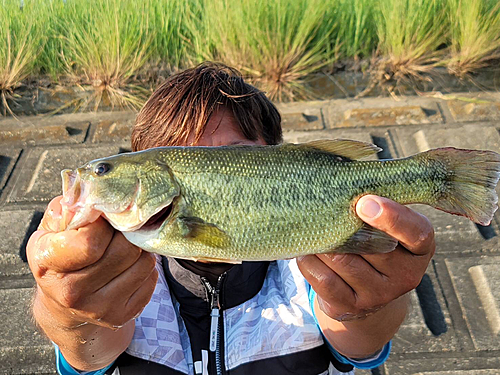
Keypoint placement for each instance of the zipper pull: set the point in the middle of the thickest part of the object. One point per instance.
(214, 324)
(215, 311)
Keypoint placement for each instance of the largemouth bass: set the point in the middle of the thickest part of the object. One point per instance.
(248, 203)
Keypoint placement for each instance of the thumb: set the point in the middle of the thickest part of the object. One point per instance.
(413, 230)
(370, 207)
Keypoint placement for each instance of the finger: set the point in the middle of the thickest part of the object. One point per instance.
(133, 306)
(402, 268)
(324, 281)
(411, 229)
(356, 272)
(121, 289)
(55, 219)
(127, 282)
(74, 249)
(32, 249)
(141, 297)
(118, 257)
(105, 306)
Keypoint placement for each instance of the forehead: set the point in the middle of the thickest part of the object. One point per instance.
(222, 129)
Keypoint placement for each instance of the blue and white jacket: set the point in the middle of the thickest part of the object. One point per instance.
(262, 322)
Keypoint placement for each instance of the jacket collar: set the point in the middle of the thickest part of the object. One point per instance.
(241, 282)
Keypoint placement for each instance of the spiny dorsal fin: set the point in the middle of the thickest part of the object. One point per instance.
(347, 148)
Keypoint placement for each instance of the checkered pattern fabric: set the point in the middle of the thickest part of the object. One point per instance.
(159, 333)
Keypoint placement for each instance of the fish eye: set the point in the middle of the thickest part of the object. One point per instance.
(102, 168)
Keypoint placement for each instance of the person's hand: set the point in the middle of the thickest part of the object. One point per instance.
(351, 286)
(88, 275)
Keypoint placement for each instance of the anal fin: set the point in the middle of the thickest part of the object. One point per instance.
(368, 240)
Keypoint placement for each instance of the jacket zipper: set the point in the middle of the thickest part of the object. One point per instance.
(215, 318)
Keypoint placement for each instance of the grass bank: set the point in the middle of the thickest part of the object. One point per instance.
(120, 49)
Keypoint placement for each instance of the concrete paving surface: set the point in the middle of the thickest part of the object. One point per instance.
(454, 324)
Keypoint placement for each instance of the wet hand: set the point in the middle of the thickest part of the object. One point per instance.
(351, 286)
(88, 275)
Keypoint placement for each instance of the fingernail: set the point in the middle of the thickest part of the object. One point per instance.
(370, 209)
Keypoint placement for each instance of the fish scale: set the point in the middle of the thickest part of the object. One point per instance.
(238, 203)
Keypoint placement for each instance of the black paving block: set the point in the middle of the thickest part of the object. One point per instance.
(32, 227)
(39, 360)
(378, 371)
(461, 364)
(487, 231)
(8, 158)
(116, 128)
(431, 309)
(21, 133)
(476, 281)
(452, 304)
(383, 143)
(428, 311)
(15, 226)
(40, 179)
(23, 349)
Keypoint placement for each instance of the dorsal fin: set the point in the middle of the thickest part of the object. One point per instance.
(347, 148)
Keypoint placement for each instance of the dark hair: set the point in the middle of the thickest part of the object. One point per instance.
(181, 107)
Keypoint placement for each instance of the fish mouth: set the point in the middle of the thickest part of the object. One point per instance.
(72, 189)
(75, 199)
(157, 220)
(75, 189)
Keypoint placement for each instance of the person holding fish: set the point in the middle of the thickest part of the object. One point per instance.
(239, 255)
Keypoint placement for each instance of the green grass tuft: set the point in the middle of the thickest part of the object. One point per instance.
(410, 33)
(355, 33)
(276, 44)
(21, 40)
(475, 35)
(104, 44)
(168, 27)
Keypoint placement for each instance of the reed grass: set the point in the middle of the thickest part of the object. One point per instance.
(474, 36)
(276, 44)
(104, 44)
(50, 61)
(21, 40)
(355, 33)
(410, 34)
(167, 25)
(110, 46)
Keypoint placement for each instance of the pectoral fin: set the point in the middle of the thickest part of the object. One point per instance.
(368, 240)
(205, 233)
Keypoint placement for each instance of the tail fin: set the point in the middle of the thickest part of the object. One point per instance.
(471, 179)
